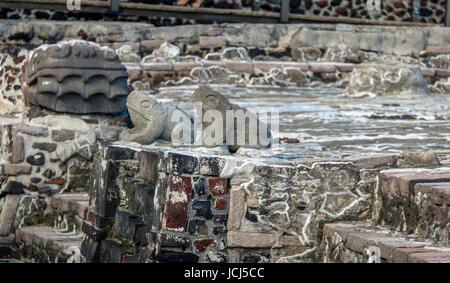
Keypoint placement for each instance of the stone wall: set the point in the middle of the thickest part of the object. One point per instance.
(166, 205)
(244, 54)
(392, 10)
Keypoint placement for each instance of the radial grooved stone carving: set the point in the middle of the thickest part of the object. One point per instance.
(75, 76)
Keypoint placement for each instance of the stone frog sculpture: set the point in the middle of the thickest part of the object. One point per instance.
(153, 120)
(256, 135)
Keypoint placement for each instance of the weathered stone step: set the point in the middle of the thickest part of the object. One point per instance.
(46, 244)
(361, 242)
(416, 201)
(404, 182)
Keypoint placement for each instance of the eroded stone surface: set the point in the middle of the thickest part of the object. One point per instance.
(75, 77)
(386, 79)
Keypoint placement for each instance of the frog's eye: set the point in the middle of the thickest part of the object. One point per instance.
(146, 104)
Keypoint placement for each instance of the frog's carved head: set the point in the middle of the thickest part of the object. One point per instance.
(143, 107)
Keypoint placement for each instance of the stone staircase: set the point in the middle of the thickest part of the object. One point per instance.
(60, 242)
(412, 224)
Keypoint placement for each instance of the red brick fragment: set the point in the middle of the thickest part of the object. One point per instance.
(217, 186)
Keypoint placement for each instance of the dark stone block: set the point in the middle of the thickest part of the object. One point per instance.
(219, 230)
(220, 219)
(425, 12)
(211, 166)
(63, 135)
(45, 190)
(176, 257)
(112, 252)
(253, 52)
(104, 187)
(90, 250)
(171, 241)
(102, 222)
(280, 54)
(38, 159)
(200, 185)
(148, 166)
(12, 188)
(251, 259)
(250, 217)
(48, 173)
(49, 147)
(142, 203)
(336, 2)
(182, 164)
(197, 226)
(203, 208)
(127, 224)
(5, 251)
(140, 237)
(92, 232)
(119, 153)
(35, 180)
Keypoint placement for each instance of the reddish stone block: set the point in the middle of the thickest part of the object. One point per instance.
(298, 65)
(267, 66)
(439, 193)
(322, 68)
(240, 67)
(397, 182)
(237, 209)
(89, 216)
(29, 130)
(212, 41)
(443, 73)
(14, 170)
(322, 3)
(201, 245)
(62, 135)
(179, 189)
(343, 11)
(183, 66)
(400, 255)
(345, 68)
(18, 59)
(217, 186)
(399, 4)
(428, 72)
(8, 213)
(220, 204)
(432, 257)
(56, 181)
(433, 50)
(18, 153)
